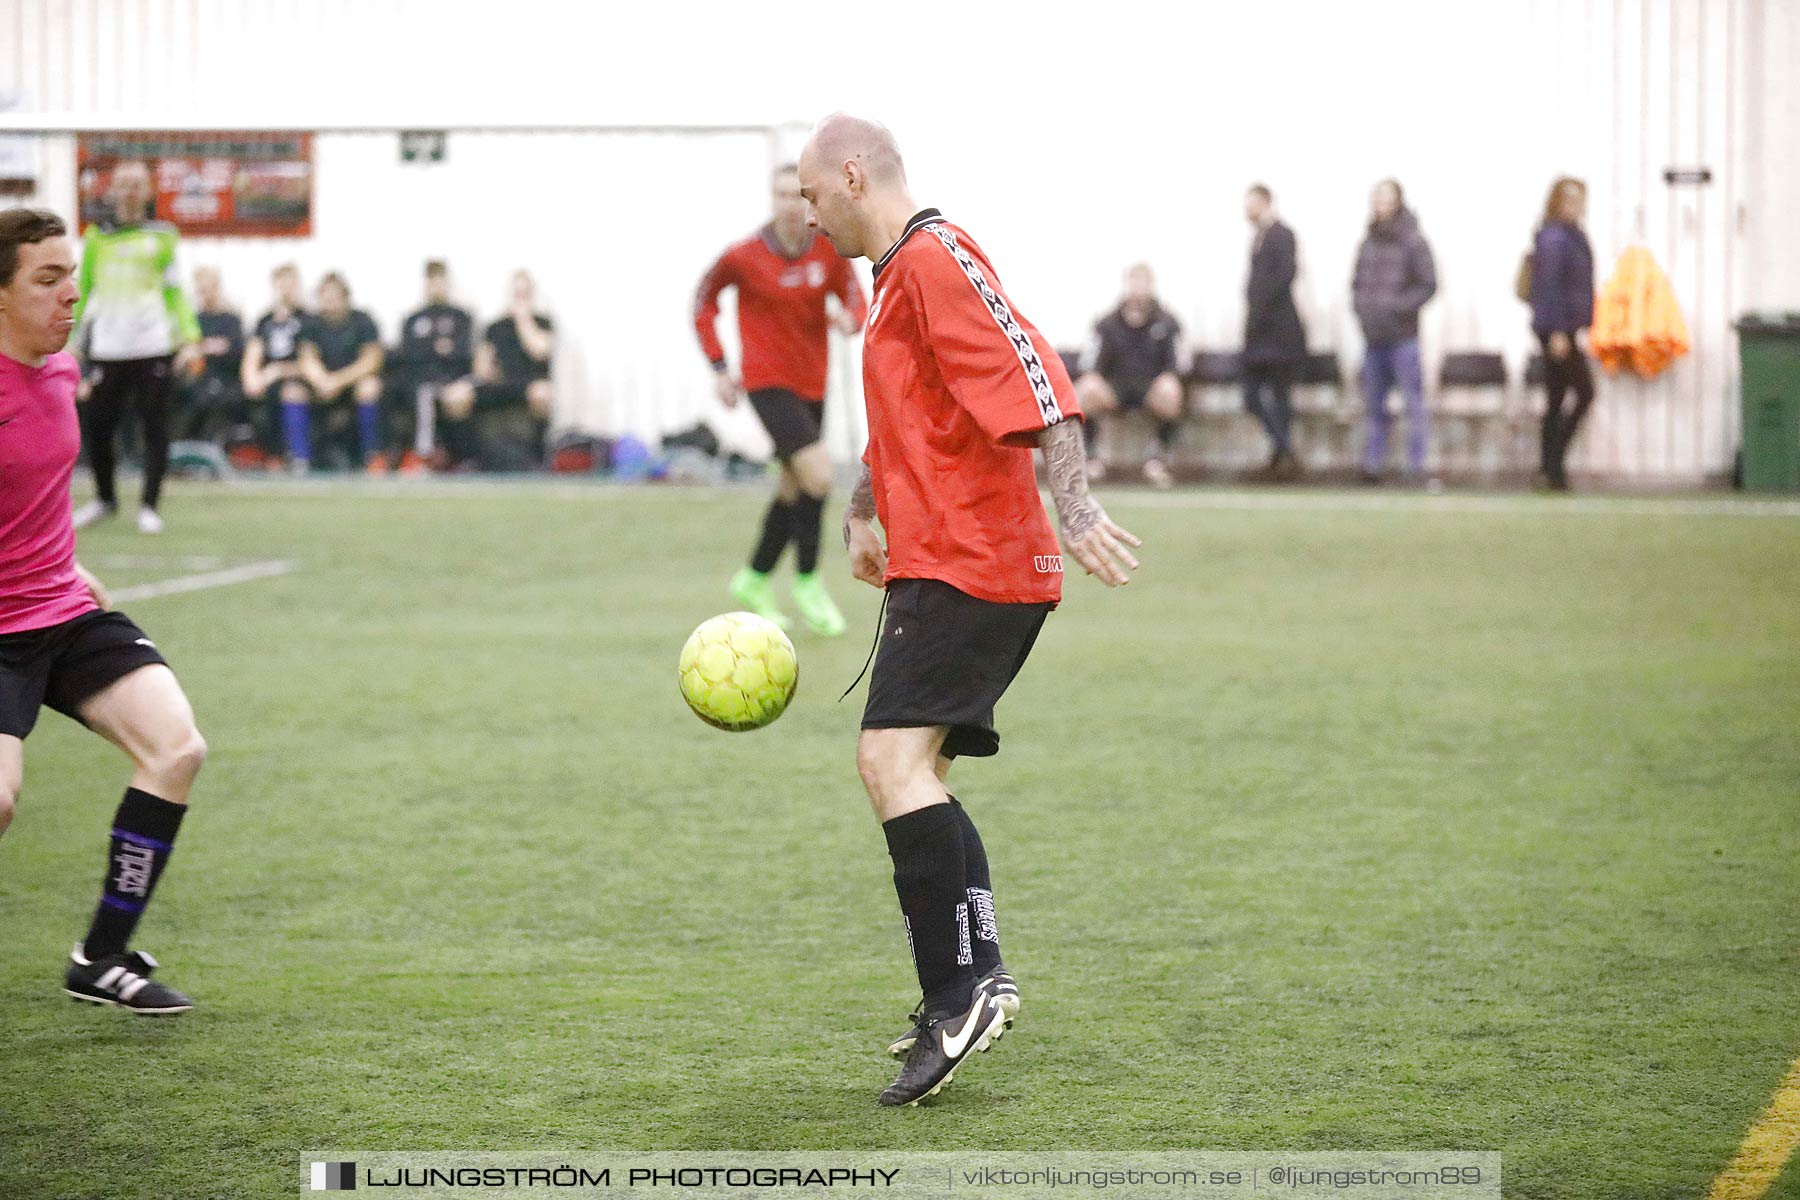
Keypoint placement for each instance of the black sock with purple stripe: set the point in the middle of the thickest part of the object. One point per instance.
(143, 834)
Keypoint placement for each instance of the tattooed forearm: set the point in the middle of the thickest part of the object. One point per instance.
(1065, 461)
(862, 502)
(862, 496)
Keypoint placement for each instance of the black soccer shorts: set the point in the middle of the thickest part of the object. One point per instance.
(946, 658)
(65, 665)
(793, 423)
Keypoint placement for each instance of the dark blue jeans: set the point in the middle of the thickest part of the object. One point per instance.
(1277, 416)
(1383, 367)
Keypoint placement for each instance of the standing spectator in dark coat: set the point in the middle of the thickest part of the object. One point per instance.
(1393, 280)
(1562, 306)
(1274, 340)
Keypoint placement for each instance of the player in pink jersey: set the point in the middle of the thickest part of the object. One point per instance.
(59, 645)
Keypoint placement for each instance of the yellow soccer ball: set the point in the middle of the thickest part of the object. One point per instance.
(738, 671)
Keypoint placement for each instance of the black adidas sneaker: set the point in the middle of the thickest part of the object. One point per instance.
(941, 1046)
(1005, 989)
(123, 980)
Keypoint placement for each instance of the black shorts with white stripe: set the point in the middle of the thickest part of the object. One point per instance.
(65, 665)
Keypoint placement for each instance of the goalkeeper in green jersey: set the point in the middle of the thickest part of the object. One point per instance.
(139, 330)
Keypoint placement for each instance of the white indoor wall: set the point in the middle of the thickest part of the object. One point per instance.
(1070, 139)
(1772, 176)
(616, 279)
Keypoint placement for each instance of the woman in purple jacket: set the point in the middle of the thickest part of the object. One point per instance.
(1562, 306)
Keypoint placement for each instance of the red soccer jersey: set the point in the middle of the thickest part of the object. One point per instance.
(39, 442)
(959, 387)
(780, 310)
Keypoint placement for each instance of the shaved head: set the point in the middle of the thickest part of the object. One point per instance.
(842, 138)
(854, 184)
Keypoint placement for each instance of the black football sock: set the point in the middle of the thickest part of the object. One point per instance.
(143, 834)
(1165, 435)
(1088, 433)
(984, 932)
(805, 515)
(927, 849)
(457, 438)
(540, 440)
(776, 527)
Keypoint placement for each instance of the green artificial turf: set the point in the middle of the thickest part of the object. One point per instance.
(1438, 825)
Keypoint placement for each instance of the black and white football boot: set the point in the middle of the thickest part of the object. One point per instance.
(901, 1046)
(122, 980)
(941, 1046)
(1006, 991)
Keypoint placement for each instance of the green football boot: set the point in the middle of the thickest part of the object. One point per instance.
(751, 589)
(816, 607)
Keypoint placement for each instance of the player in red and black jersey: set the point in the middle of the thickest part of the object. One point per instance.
(959, 388)
(782, 274)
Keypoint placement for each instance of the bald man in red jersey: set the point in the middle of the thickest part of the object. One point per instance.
(960, 388)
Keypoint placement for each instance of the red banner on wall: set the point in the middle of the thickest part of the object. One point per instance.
(207, 184)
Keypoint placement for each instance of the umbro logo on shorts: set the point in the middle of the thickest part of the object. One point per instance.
(146, 642)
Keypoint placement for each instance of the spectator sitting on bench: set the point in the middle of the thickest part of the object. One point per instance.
(271, 378)
(1135, 360)
(436, 349)
(340, 358)
(498, 419)
(211, 399)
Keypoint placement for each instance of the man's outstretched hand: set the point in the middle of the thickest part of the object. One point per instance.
(1101, 547)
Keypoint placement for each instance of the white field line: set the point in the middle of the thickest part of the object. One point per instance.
(203, 580)
(184, 562)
